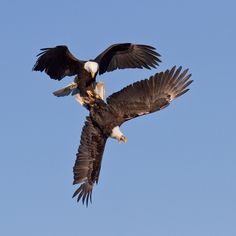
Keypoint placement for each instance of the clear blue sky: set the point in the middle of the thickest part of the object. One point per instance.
(176, 174)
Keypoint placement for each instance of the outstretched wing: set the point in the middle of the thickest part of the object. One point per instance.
(127, 55)
(150, 95)
(88, 160)
(57, 62)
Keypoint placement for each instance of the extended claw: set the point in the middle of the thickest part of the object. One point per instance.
(88, 100)
(98, 97)
(90, 93)
(122, 138)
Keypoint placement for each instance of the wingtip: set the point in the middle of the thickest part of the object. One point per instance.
(84, 193)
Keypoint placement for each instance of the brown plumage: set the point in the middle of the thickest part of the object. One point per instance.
(141, 98)
(59, 62)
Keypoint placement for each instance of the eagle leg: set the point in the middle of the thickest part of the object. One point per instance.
(90, 93)
(93, 95)
(98, 97)
(85, 102)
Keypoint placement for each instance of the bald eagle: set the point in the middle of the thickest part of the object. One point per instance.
(59, 62)
(105, 118)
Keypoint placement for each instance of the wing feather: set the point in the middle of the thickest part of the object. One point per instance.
(127, 55)
(57, 62)
(150, 95)
(88, 160)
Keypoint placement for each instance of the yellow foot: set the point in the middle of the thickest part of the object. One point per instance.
(122, 138)
(89, 101)
(90, 93)
(80, 99)
(97, 96)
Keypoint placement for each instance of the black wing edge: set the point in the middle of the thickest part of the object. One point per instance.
(150, 95)
(171, 82)
(128, 55)
(88, 161)
(57, 62)
(175, 82)
(40, 64)
(84, 192)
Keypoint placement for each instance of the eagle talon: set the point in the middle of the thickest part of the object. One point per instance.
(98, 97)
(90, 93)
(89, 101)
(122, 138)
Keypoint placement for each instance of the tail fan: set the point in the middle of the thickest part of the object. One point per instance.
(67, 90)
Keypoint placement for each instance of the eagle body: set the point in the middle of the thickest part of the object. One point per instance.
(84, 82)
(105, 118)
(58, 62)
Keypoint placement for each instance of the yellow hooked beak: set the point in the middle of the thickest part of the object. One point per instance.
(122, 138)
(93, 75)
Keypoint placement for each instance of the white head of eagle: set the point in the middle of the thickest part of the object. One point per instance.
(92, 67)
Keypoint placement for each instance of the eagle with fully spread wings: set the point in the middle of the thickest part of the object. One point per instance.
(59, 62)
(105, 118)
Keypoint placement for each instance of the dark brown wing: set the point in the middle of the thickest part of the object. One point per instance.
(57, 62)
(88, 160)
(127, 55)
(150, 95)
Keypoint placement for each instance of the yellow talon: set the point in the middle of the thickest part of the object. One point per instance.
(97, 96)
(93, 95)
(123, 138)
(90, 93)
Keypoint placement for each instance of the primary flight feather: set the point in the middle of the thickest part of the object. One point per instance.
(59, 62)
(141, 98)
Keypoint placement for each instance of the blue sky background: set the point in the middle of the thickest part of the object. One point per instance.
(176, 174)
